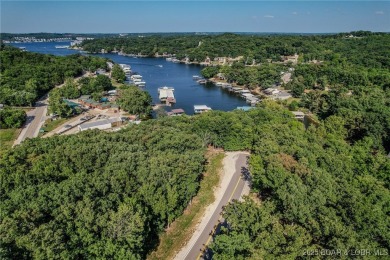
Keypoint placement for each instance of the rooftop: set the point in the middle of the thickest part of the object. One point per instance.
(201, 107)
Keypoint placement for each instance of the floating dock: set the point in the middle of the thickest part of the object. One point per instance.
(165, 94)
(198, 109)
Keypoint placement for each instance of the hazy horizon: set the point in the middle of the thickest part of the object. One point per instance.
(89, 17)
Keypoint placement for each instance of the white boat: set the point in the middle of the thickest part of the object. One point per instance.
(196, 77)
(140, 83)
(136, 76)
(62, 46)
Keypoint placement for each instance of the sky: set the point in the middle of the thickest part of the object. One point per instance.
(193, 16)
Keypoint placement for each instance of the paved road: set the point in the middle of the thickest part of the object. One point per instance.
(34, 121)
(233, 191)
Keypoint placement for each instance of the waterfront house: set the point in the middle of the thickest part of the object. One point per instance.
(282, 95)
(247, 96)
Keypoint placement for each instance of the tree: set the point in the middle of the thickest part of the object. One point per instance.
(57, 104)
(135, 101)
(12, 118)
(70, 89)
(118, 74)
(102, 83)
(210, 71)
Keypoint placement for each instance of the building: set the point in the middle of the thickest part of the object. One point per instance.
(298, 115)
(165, 94)
(176, 112)
(198, 109)
(282, 95)
(101, 124)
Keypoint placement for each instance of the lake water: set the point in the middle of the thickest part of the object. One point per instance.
(158, 72)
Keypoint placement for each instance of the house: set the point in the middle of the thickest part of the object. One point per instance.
(101, 124)
(112, 92)
(271, 91)
(292, 58)
(71, 104)
(298, 115)
(176, 112)
(247, 96)
(244, 91)
(282, 95)
(198, 109)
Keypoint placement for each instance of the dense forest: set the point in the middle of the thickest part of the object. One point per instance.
(110, 194)
(258, 47)
(96, 194)
(26, 76)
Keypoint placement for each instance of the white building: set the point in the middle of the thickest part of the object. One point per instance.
(198, 109)
(101, 124)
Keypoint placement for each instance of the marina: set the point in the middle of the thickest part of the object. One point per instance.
(187, 91)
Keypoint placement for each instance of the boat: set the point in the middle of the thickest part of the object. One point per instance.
(165, 94)
(196, 77)
(140, 83)
(198, 109)
(136, 76)
(202, 81)
(62, 46)
(159, 66)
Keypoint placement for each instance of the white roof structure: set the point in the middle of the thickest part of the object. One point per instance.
(298, 113)
(247, 95)
(101, 124)
(201, 108)
(166, 92)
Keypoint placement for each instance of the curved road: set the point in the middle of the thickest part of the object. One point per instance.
(201, 239)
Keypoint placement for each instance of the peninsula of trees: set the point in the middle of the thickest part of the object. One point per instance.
(26, 76)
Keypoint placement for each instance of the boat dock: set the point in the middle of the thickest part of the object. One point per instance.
(198, 109)
(165, 94)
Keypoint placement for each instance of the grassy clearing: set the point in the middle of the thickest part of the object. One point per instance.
(51, 125)
(7, 138)
(182, 228)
